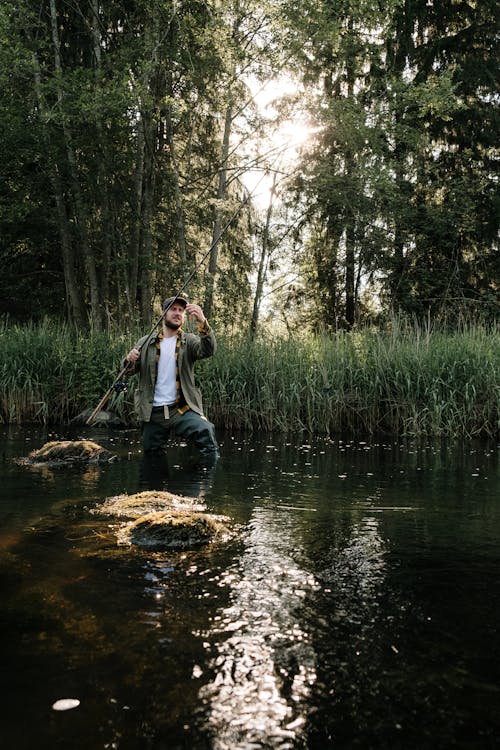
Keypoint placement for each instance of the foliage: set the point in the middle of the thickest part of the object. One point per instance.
(50, 372)
(407, 380)
(111, 126)
(126, 131)
(399, 185)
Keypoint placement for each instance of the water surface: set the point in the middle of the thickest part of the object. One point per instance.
(356, 606)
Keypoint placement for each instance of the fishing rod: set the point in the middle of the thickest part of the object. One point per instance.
(118, 385)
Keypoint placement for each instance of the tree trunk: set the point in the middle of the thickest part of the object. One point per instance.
(146, 257)
(74, 302)
(106, 222)
(221, 194)
(350, 235)
(350, 259)
(132, 281)
(263, 262)
(81, 219)
(180, 233)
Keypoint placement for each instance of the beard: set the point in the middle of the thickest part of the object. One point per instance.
(173, 326)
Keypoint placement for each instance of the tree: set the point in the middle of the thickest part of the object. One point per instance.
(337, 45)
(399, 187)
(447, 102)
(119, 99)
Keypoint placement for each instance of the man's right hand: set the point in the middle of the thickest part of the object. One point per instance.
(133, 356)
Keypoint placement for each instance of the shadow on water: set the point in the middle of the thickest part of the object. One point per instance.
(357, 606)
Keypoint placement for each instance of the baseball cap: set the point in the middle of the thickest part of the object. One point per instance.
(170, 301)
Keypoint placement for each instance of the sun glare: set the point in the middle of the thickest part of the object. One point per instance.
(282, 141)
(292, 132)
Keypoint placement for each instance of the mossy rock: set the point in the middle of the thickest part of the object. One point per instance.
(149, 501)
(159, 520)
(178, 529)
(67, 452)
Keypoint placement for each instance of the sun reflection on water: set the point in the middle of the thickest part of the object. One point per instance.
(265, 665)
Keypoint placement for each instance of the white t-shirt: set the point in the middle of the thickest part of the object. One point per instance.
(165, 389)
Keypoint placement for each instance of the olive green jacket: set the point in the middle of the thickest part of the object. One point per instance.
(192, 347)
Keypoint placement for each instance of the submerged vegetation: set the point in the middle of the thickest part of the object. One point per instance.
(407, 379)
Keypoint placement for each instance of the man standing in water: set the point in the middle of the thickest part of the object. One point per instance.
(166, 396)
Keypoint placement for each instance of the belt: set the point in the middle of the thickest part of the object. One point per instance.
(170, 406)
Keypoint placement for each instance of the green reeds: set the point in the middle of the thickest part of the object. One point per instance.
(49, 372)
(408, 380)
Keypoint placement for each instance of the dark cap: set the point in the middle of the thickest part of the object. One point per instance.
(171, 300)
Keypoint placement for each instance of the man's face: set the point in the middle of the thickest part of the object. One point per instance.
(174, 316)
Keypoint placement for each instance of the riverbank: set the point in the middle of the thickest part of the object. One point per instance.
(407, 380)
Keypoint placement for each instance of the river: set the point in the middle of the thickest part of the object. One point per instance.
(356, 605)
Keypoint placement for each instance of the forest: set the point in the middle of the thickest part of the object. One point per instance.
(138, 158)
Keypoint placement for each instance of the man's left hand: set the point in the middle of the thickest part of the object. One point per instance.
(195, 311)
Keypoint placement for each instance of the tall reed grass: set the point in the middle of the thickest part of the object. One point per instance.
(50, 372)
(409, 380)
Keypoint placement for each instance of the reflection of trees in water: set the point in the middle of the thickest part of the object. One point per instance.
(265, 665)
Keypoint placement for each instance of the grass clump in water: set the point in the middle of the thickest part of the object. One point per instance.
(67, 452)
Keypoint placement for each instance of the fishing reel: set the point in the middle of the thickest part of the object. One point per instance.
(120, 386)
